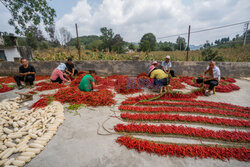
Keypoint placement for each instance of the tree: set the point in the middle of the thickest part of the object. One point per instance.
(107, 38)
(165, 46)
(51, 31)
(118, 44)
(131, 46)
(33, 36)
(180, 43)
(95, 45)
(29, 12)
(54, 42)
(208, 55)
(64, 36)
(207, 44)
(147, 42)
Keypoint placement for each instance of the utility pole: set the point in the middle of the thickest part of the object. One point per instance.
(179, 42)
(78, 44)
(245, 38)
(189, 27)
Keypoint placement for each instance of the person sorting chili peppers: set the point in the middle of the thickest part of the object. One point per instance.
(213, 79)
(26, 73)
(70, 68)
(58, 74)
(167, 65)
(160, 77)
(87, 83)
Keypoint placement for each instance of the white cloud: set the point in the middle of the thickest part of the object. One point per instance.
(5, 16)
(132, 18)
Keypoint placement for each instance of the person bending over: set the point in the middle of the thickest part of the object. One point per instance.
(58, 75)
(70, 68)
(26, 73)
(213, 78)
(167, 65)
(87, 83)
(160, 78)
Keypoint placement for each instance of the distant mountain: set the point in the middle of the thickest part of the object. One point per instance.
(193, 47)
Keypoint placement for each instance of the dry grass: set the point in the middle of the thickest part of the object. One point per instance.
(229, 54)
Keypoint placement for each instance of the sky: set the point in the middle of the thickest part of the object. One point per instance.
(133, 18)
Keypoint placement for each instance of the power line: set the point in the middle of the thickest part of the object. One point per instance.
(207, 29)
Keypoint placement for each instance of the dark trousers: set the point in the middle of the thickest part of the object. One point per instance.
(27, 79)
(59, 80)
(172, 73)
(161, 82)
(75, 73)
(211, 83)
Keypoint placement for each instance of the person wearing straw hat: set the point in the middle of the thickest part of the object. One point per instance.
(167, 65)
(152, 67)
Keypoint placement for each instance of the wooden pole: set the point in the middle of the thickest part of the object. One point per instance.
(245, 38)
(78, 44)
(189, 27)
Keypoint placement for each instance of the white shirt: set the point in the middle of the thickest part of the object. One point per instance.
(216, 72)
(165, 65)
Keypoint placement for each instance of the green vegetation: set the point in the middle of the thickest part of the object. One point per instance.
(229, 54)
(29, 12)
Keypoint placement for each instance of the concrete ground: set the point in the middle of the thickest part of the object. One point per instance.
(77, 143)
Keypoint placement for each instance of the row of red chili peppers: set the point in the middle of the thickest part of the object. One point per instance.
(132, 100)
(169, 95)
(233, 136)
(201, 151)
(149, 109)
(193, 104)
(185, 118)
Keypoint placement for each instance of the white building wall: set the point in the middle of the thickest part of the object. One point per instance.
(11, 53)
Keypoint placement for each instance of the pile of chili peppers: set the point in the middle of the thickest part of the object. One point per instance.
(5, 88)
(169, 149)
(225, 85)
(10, 79)
(75, 96)
(43, 102)
(226, 88)
(49, 86)
(175, 83)
(126, 85)
(142, 76)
